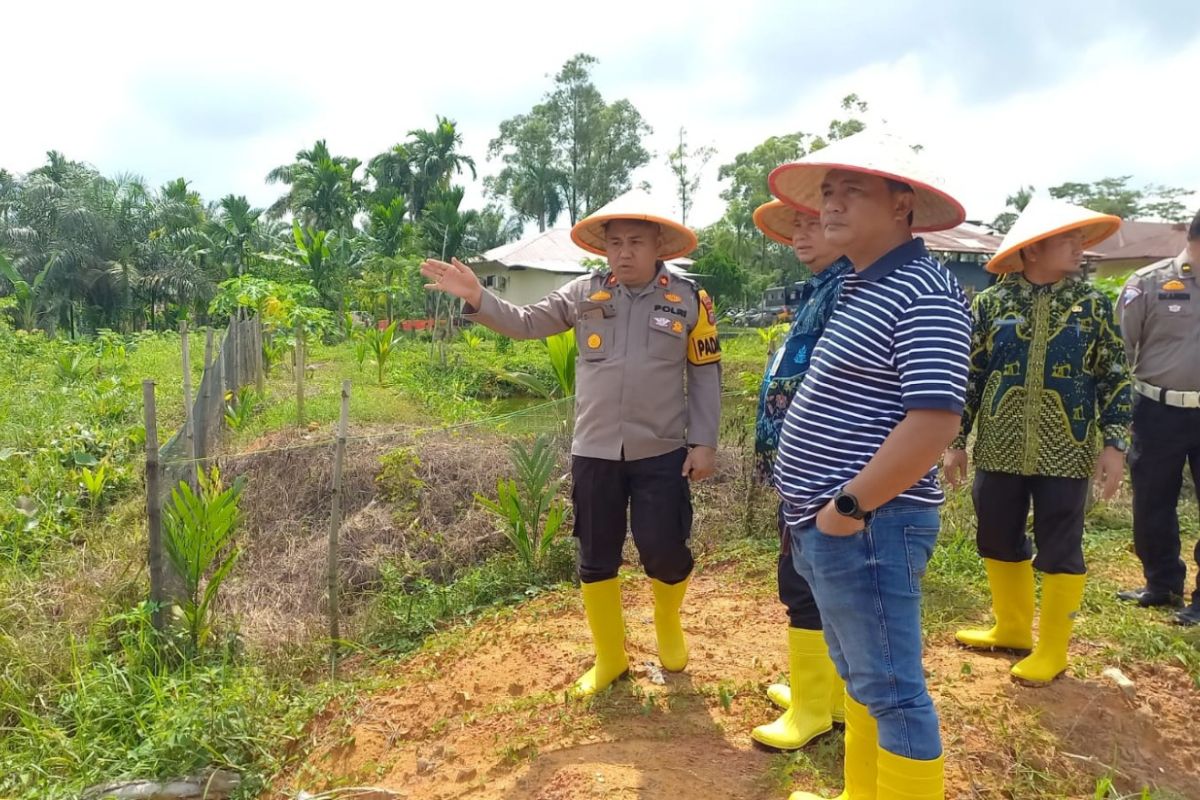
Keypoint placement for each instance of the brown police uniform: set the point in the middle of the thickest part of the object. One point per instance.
(648, 384)
(1160, 321)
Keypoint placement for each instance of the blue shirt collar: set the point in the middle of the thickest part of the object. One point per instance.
(894, 259)
(835, 270)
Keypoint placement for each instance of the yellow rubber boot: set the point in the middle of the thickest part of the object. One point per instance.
(909, 779)
(672, 648)
(602, 604)
(862, 755)
(781, 695)
(1061, 596)
(811, 675)
(1012, 605)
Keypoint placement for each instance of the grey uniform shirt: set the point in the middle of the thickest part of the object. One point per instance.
(1160, 321)
(648, 377)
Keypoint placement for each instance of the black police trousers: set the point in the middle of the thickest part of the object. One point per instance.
(658, 501)
(1165, 439)
(794, 592)
(1002, 503)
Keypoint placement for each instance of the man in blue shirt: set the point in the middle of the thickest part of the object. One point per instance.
(858, 454)
(813, 698)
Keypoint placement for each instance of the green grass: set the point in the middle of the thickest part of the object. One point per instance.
(81, 699)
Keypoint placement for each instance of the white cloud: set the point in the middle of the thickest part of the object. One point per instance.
(221, 93)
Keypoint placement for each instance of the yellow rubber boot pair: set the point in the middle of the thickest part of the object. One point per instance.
(862, 746)
(1012, 605)
(602, 605)
(1061, 597)
(809, 699)
(873, 773)
(672, 647)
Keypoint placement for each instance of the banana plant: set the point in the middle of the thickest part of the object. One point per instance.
(28, 295)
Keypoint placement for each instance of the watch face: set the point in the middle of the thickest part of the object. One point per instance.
(845, 504)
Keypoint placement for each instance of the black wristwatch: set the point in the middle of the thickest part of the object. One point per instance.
(847, 505)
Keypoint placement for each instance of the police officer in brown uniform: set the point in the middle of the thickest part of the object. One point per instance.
(647, 407)
(1160, 320)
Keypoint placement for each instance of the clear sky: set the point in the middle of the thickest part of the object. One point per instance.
(1000, 94)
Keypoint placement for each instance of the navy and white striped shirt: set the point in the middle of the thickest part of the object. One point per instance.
(899, 340)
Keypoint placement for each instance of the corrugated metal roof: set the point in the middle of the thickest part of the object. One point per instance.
(1139, 239)
(552, 251)
(966, 238)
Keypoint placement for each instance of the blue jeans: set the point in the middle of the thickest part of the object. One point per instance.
(868, 587)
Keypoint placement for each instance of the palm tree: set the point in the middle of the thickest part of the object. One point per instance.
(490, 228)
(324, 193)
(445, 226)
(434, 159)
(391, 172)
(236, 231)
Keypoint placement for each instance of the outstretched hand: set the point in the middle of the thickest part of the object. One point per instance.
(454, 278)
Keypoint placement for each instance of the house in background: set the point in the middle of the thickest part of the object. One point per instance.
(527, 270)
(1138, 244)
(964, 251)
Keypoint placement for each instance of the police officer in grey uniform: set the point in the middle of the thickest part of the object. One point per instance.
(647, 409)
(1160, 320)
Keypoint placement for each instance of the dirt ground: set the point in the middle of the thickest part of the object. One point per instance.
(482, 713)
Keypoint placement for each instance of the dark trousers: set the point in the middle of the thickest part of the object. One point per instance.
(794, 592)
(658, 501)
(1165, 439)
(1002, 508)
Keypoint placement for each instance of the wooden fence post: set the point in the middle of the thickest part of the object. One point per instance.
(260, 376)
(222, 357)
(299, 374)
(189, 420)
(153, 506)
(204, 407)
(335, 523)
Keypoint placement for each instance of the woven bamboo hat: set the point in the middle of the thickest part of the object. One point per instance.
(874, 151)
(677, 239)
(1045, 217)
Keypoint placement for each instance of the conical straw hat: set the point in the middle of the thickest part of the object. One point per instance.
(1045, 217)
(588, 233)
(776, 219)
(874, 151)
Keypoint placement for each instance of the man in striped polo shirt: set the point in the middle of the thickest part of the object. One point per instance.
(859, 449)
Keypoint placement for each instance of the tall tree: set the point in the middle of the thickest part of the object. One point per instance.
(530, 179)
(324, 191)
(571, 143)
(687, 165)
(435, 157)
(236, 232)
(491, 227)
(1014, 204)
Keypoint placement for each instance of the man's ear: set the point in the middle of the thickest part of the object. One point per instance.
(903, 205)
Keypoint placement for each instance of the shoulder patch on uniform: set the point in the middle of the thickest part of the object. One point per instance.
(704, 347)
(1130, 294)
